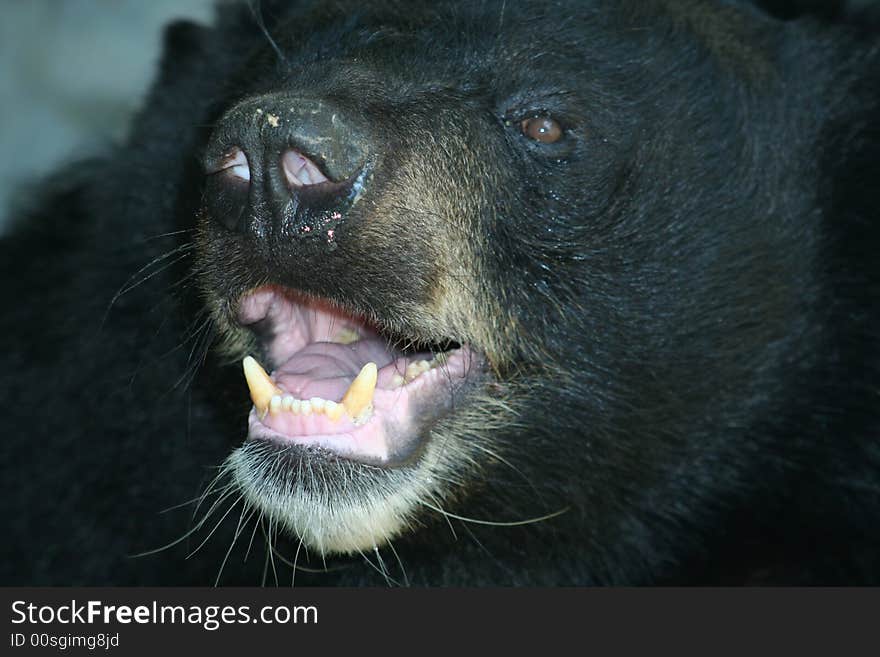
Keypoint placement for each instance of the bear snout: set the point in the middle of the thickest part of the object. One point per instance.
(286, 169)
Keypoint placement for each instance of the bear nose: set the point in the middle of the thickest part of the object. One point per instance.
(284, 167)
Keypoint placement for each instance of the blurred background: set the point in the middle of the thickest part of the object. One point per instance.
(71, 74)
(73, 71)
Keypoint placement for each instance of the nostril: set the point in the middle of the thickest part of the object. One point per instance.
(234, 163)
(228, 187)
(300, 171)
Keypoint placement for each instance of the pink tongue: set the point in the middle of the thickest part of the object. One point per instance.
(326, 369)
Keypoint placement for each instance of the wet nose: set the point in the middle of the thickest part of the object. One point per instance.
(286, 167)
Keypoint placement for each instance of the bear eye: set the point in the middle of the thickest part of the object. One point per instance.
(542, 129)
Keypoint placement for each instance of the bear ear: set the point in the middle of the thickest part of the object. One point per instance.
(182, 40)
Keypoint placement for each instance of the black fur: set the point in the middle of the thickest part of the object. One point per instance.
(687, 288)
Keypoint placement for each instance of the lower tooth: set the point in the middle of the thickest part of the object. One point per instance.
(306, 407)
(413, 370)
(317, 404)
(296, 406)
(397, 381)
(333, 410)
(286, 402)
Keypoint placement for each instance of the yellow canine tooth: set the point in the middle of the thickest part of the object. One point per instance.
(359, 396)
(260, 385)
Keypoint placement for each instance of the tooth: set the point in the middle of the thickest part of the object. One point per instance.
(333, 410)
(260, 385)
(359, 396)
(412, 371)
(287, 402)
(347, 336)
(317, 404)
(396, 381)
(305, 407)
(275, 404)
(296, 406)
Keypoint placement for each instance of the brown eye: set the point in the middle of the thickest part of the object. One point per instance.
(542, 129)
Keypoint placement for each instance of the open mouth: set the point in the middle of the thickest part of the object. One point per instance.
(342, 385)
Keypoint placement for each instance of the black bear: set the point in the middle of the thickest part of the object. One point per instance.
(454, 293)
